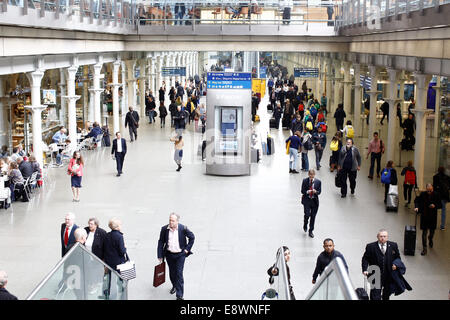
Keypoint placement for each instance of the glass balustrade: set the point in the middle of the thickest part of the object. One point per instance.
(80, 275)
(280, 279)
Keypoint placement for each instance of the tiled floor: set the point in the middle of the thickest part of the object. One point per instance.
(239, 222)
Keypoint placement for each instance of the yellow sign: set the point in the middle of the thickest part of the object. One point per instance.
(259, 86)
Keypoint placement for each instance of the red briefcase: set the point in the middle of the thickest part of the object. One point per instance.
(159, 276)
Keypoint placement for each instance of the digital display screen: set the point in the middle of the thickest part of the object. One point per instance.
(228, 141)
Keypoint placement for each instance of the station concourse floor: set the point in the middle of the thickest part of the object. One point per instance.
(239, 222)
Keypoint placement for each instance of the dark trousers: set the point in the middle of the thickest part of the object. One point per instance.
(339, 126)
(384, 116)
(133, 132)
(351, 177)
(310, 214)
(163, 122)
(375, 156)
(386, 190)
(175, 261)
(171, 121)
(424, 237)
(378, 294)
(407, 191)
(319, 153)
(120, 157)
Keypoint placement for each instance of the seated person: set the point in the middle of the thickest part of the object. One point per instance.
(60, 136)
(15, 154)
(25, 167)
(35, 166)
(4, 166)
(4, 153)
(15, 177)
(96, 130)
(67, 152)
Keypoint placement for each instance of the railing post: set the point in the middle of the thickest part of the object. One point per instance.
(364, 13)
(408, 9)
(42, 9)
(115, 13)
(387, 9)
(91, 13)
(25, 7)
(437, 5)
(397, 9)
(82, 10)
(421, 10)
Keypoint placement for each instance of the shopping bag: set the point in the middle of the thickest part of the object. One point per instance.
(159, 276)
(127, 270)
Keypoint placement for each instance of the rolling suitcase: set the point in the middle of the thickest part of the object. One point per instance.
(269, 106)
(410, 239)
(392, 199)
(285, 123)
(270, 146)
(264, 148)
(272, 123)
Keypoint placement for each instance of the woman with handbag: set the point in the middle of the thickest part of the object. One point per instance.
(335, 146)
(75, 170)
(115, 252)
(178, 155)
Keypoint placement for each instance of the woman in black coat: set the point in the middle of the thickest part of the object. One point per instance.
(96, 238)
(427, 205)
(115, 252)
(339, 115)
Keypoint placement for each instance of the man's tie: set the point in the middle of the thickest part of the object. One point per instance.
(383, 249)
(311, 188)
(66, 237)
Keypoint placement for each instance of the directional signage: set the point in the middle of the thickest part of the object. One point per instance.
(173, 71)
(263, 72)
(306, 72)
(229, 80)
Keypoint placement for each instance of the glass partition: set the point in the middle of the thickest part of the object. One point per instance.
(80, 275)
(280, 280)
(333, 284)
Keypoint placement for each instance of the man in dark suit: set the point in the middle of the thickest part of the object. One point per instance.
(67, 233)
(25, 167)
(118, 151)
(4, 294)
(173, 246)
(311, 188)
(380, 254)
(132, 120)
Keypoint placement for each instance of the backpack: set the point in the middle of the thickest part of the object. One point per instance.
(320, 117)
(313, 111)
(334, 145)
(301, 107)
(386, 176)
(410, 177)
(350, 132)
(309, 126)
(308, 144)
(323, 126)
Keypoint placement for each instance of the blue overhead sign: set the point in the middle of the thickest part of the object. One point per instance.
(263, 72)
(229, 80)
(173, 71)
(306, 72)
(365, 81)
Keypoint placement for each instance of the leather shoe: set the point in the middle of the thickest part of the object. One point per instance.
(180, 298)
(424, 252)
(290, 170)
(173, 290)
(311, 234)
(305, 228)
(295, 171)
(118, 175)
(343, 195)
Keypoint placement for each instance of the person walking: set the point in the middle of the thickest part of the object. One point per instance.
(385, 109)
(297, 123)
(119, 150)
(161, 92)
(388, 177)
(277, 112)
(311, 189)
(380, 254)
(325, 257)
(75, 171)
(410, 182)
(427, 205)
(179, 119)
(350, 164)
(306, 146)
(376, 150)
(335, 147)
(150, 110)
(202, 113)
(132, 120)
(115, 252)
(295, 147)
(348, 131)
(162, 114)
(319, 140)
(178, 155)
(4, 294)
(441, 183)
(67, 232)
(339, 115)
(175, 244)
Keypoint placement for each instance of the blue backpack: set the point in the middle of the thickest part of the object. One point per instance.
(386, 176)
(313, 111)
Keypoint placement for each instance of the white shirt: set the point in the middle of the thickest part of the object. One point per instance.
(119, 145)
(385, 247)
(90, 240)
(174, 245)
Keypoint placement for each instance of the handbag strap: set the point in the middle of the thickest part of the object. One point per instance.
(131, 115)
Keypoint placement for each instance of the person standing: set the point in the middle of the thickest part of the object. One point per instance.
(325, 257)
(75, 171)
(319, 140)
(297, 123)
(163, 114)
(441, 183)
(179, 119)
(150, 110)
(311, 188)
(427, 205)
(323, 101)
(4, 294)
(67, 232)
(277, 115)
(132, 120)
(381, 254)
(96, 237)
(172, 110)
(295, 147)
(178, 155)
(339, 115)
(388, 177)
(306, 146)
(115, 252)
(410, 182)
(376, 150)
(348, 131)
(350, 164)
(162, 92)
(173, 246)
(385, 109)
(119, 150)
(335, 147)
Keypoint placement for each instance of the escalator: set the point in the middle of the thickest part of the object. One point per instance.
(80, 275)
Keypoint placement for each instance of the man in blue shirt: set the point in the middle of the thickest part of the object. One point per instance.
(60, 136)
(95, 131)
(294, 149)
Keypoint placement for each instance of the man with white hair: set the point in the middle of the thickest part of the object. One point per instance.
(68, 233)
(80, 236)
(4, 294)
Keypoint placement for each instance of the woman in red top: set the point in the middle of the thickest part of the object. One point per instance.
(76, 171)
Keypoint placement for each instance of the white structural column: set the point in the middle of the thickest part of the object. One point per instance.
(150, 75)
(347, 88)
(402, 91)
(142, 64)
(158, 78)
(115, 84)
(62, 92)
(437, 107)
(322, 73)
(358, 99)
(131, 82)
(374, 74)
(124, 102)
(4, 127)
(420, 112)
(392, 124)
(97, 91)
(328, 85)
(167, 62)
(72, 113)
(317, 80)
(183, 64)
(336, 88)
(36, 108)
